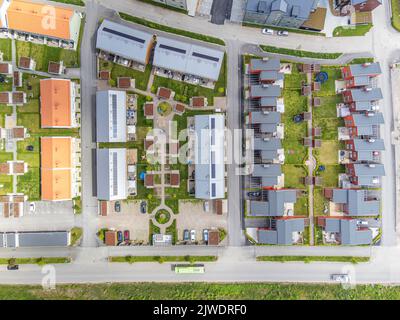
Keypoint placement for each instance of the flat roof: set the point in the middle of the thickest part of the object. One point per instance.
(124, 41)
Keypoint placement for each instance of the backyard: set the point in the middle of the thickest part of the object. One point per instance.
(5, 48)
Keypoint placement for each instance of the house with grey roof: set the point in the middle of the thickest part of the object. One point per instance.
(112, 180)
(127, 45)
(209, 156)
(359, 95)
(267, 70)
(266, 175)
(365, 175)
(111, 116)
(284, 231)
(265, 90)
(264, 117)
(345, 231)
(281, 13)
(367, 150)
(354, 202)
(364, 119)
(360, 75)
(279, 203)
(187, 59)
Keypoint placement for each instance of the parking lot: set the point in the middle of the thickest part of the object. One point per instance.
(193, 217)
(129, 218)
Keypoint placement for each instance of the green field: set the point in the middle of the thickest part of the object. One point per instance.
(74, 2)
(161, 259)
(359, 30)
(207, 291)
(395, 14)
(5, 48)
(307, 259)
(300, 53)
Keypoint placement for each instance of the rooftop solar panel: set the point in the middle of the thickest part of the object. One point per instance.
(163, 46)
(124, 35)
(204, 56)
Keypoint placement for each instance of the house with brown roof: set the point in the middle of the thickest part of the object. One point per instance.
(27, 63)
(14, 168)
(6, 68)
(213, 237)
(103, 208)
(110, 238)
(17, 79)
(198, 102)
(16, 97)
(149, 110)
(149, 180)
(179, 108)
(165, 93)
(12, 205)
(104, 75)
(30, 21)
(174, 179)
(56, 67)
(16, 133)
(124, 82)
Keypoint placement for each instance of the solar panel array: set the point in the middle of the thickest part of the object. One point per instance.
(114, 115)
(115, 173)
(205, 56)
(124, 35)
(164, 46)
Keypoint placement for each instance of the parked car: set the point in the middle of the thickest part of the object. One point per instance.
(143, 207)
(29, 148)
(126, 235)
(192, 235)
(117, 206)
(206, 206)
(32, 207)
(205, 235)
(186, 235)
(282, 33)
(341, 277)
(267, 31)
(362, 223)
(254, 193)
(119, 236)
(12, 267)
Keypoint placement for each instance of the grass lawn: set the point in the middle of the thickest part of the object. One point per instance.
(5, 48)
(293, 174)
(395, 14)
(327, 109)
(329, 127)
(328, 88)
(301, 53)
(6, 86)
(301, 206)
(43, 54)
(161, 259)
(31, 85)
(39, 261)
(328, 153)
(184, 33)
(76, 235)
(359, 30)
(307, 259)
(74, 2)
(200, 291)
(141, 78)
(330, 175)
(319, 202)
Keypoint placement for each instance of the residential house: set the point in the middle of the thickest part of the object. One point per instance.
(209, 156)
(56, 68)
(365, 175)
(112, 181)
(266, 175)
(360, 75)
(354, 202)
(12, 205)
(149, 110)
(268, 70)
(14, 168)
(57, 103)
(15, 97)
(368, 150)
(30, 21)
(364, 125)
(364, 95)
(282, 231)
(279, 203)
(265, 90)
(6, 68)
(268, 150)
(27, 63)
(344, 230)
(28, 239)
(111, 116)
(347, 7)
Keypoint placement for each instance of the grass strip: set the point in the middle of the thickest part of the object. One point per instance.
(307, 259)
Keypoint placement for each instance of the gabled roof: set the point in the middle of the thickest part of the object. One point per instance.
(365, 69)
(55, 103)
(369, 145)
(372, 94)
(357, 205)
(372, 118)
(283, 234)
(267, 170)
(265, 65)
(256, 117)
(349, 232)
(265, 91)
(275, 206)
(267, 144)
(369, 170)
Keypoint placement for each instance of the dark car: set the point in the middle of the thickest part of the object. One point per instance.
(254, 194)
(126, 235)
(143, 206)
(186, 235)
(29, 148)
(12, 267)
(119, 236)
(117, 206)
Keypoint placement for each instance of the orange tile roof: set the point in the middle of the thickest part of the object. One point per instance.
(56, 166)
(56, 184)
(40, 19)
(55, 103)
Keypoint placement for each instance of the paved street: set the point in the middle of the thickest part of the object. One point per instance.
(236, 262)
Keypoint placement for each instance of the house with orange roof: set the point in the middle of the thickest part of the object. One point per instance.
(57, 103)
(58, 174)
(52, 25)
